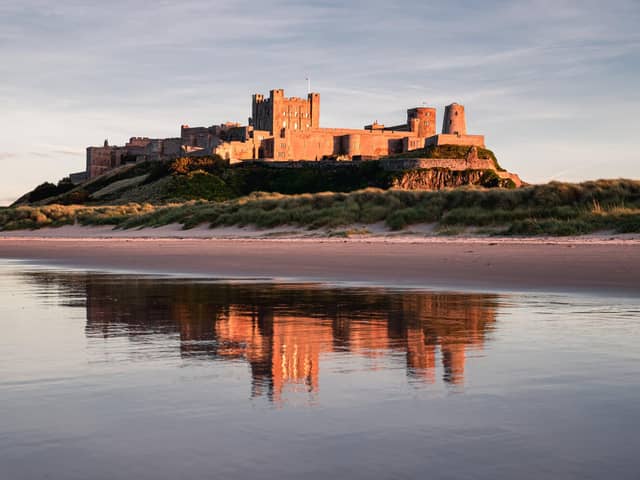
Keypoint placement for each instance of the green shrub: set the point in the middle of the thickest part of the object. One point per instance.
(74, 197)
(48, 190)
(211, 164)
(199, 184)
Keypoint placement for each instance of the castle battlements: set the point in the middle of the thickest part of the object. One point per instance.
(288, 129)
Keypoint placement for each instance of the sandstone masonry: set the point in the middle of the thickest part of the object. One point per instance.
(288, 129)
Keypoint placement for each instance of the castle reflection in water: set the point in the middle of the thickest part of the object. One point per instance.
(281, 330)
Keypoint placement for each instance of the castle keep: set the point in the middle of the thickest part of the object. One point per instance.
(288, 129)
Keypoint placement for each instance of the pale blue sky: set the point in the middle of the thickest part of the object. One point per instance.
(553, 84)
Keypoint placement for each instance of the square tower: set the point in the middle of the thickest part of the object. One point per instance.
(422, 121)
(277, 112)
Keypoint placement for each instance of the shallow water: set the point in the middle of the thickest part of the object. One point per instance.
(119, 377)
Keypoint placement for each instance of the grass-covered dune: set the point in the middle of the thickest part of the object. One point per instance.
(549, 209)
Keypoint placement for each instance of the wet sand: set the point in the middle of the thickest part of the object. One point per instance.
(480, 264)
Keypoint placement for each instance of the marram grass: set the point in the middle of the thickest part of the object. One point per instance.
(549, 209)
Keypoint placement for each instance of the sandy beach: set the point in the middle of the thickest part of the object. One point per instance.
(606, 264)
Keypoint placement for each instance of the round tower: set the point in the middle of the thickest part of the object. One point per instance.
(454, 120)
(353, 145)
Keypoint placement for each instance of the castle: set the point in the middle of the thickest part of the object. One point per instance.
(288, 129)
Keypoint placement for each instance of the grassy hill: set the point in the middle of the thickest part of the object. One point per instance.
(211, 178)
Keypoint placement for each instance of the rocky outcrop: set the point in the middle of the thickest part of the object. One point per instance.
(440, 178)
(435, 173)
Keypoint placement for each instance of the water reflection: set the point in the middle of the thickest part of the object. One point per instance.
(283, 331)
(98, 372)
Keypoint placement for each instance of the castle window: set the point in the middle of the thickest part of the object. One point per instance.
(295, 126)
(284, 124)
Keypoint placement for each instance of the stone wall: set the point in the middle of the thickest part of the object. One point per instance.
(238, 151)
(450, 139)
(342, 142)
(78, 177)
(200, 137)
(102, 159)
(511, 176)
